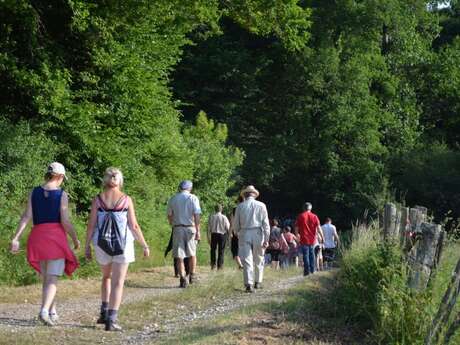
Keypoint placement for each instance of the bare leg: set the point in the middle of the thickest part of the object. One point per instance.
(238, 261)
(106, 281)
(181, 267)
(119, 272)
(192, 264)
(49, 290)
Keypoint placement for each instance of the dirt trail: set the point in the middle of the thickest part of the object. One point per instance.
(151, 332)
(80, 313)
(76, 312)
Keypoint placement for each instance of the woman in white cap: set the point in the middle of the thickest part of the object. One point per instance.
(48, 251)
(112, 228)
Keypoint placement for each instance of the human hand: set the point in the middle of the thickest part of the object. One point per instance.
(14, 246)
(265, 245)
(146, 252)
(76, 244)
(88, 254)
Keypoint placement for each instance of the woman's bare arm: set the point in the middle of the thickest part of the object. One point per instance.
(90, 228)
(25, 219)
(135, 228)
(65, 220)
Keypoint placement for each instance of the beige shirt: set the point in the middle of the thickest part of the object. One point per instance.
(252, 214)
(182, 207)
(218, 223)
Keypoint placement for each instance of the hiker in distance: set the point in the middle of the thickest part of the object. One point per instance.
(218, 229)
(331, 241)
(184, 216)
(234, 241)
(253, 229)
(48, 251)
(112, 228)
(307, 227)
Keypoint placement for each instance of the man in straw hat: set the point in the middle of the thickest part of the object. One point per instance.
(253, 229)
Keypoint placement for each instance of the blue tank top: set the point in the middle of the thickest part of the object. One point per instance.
(46, 205)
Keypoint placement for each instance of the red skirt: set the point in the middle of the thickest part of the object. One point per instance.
(48, 241)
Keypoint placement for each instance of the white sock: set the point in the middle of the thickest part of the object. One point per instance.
(44, 312)
(53, 312)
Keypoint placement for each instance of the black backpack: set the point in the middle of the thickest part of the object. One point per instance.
(111, 238)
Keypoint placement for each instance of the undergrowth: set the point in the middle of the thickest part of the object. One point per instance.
(372, 290)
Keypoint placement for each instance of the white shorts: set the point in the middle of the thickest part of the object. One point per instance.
(127, 257)
(52, 267)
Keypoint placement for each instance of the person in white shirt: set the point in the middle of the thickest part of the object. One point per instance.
(218, 228)
(331, 241)
(184, 215)
(253, 229)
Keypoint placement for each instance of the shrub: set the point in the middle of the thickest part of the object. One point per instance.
(373, 291)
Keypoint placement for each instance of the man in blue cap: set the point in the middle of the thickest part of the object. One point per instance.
(184, 215)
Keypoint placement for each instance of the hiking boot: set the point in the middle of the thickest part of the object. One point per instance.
(45, 319)
(183, 282)
(54, 318)
(102, 318)
(249, 289)
(112, 326)
(258, 286)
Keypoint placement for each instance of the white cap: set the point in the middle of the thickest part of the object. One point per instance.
(56, 168)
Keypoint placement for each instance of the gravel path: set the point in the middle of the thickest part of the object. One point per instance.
(223, 306)
(81, 313)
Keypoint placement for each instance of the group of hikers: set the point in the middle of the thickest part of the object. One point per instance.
(112, 229)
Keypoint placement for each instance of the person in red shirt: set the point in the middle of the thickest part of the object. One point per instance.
(307, 226)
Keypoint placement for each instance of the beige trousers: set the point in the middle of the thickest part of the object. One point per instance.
(251, 253)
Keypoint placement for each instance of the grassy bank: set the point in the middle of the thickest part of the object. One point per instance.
(372, 290)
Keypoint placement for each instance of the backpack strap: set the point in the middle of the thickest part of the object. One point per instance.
(104, 206)
(101, 202)
(122, 198)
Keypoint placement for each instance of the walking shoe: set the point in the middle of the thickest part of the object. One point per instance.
(183, 282)
(258, 286)
(249, 289)
(54, 317)
(45, 319)
(102, 318)
(112, 326)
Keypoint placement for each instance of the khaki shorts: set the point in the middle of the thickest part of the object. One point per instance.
(127, 257)
(52, 267)
(184, 244)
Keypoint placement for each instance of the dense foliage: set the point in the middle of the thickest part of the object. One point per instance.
(330, 101)
(335, 121)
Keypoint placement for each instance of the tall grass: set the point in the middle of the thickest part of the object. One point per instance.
(373, 292)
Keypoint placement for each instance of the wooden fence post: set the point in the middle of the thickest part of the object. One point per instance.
(445, 309)
(422, 256)
(403, 225)
(413, 219)
(389, 220)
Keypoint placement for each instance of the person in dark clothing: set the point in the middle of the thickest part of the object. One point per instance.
(218, 229)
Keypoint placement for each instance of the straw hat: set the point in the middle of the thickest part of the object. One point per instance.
(250, 189)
